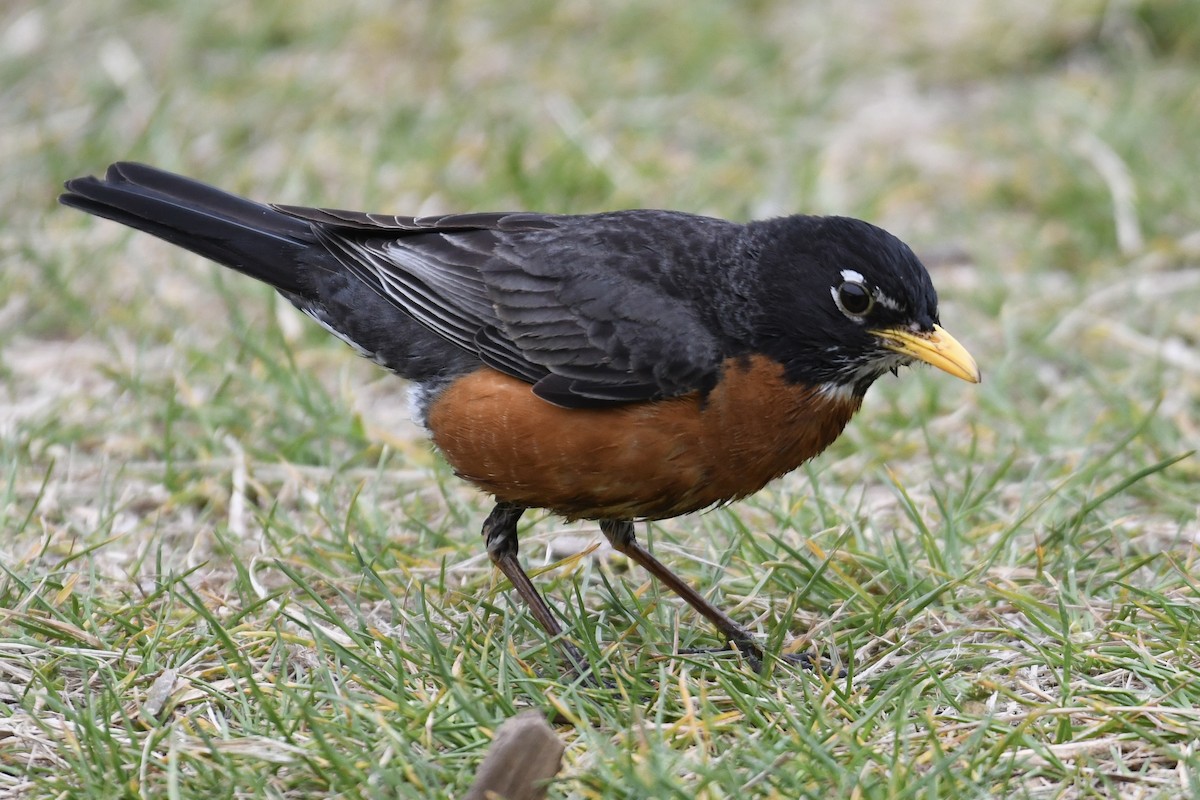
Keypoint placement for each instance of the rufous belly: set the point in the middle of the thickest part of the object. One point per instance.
(648, 460)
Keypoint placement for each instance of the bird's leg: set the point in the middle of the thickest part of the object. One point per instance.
(621, 535)
(500, 534)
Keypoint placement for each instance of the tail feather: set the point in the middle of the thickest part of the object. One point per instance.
(249, 237)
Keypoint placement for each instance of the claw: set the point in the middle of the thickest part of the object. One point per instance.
(755, 658)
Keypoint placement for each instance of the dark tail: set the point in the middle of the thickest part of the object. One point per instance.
(249, 237)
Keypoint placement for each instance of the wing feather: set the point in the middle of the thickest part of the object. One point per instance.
(592, 310)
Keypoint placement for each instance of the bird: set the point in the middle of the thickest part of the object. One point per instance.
(618, 367)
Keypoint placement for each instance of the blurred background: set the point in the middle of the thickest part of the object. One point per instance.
(1042, 157)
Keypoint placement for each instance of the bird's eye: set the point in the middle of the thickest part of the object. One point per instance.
(854, 299)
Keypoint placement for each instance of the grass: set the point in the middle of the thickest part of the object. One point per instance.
(229, 567)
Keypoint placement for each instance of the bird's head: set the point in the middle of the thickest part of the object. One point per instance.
(846, 302)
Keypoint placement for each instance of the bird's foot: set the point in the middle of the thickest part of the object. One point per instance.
(576, 667)
(756, 658)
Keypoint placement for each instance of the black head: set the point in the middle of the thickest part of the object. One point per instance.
(845, 302)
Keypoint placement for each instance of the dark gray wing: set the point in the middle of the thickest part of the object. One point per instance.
(593, 310)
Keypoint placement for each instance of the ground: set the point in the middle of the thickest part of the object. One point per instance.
(230, 566)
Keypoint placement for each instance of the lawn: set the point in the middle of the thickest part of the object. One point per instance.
(230, 566)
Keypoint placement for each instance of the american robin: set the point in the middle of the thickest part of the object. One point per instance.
(630, 365)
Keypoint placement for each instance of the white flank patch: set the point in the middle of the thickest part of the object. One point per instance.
(418, 404)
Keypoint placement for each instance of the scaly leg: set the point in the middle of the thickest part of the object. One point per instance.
(500, 533)
(621, 535)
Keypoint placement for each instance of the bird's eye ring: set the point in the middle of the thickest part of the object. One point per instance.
(854, 299)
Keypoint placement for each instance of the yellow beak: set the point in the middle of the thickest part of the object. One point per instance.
(935, 347)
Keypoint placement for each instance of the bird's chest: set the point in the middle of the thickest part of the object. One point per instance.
(645, 460)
